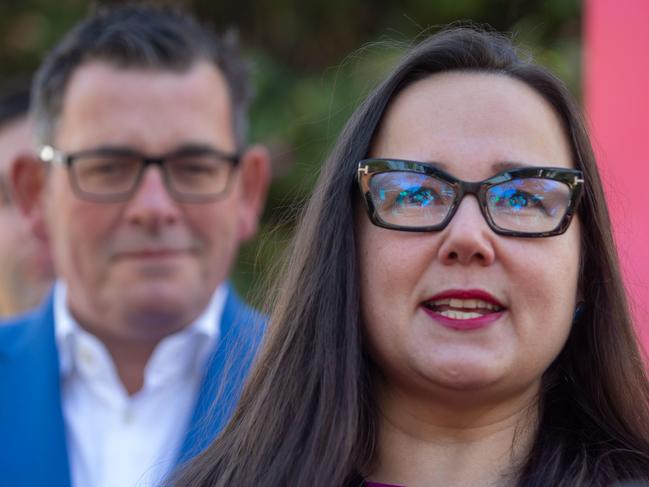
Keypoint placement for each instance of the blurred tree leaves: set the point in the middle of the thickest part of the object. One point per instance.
(313, 63)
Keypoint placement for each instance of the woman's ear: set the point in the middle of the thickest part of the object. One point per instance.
(255, 177)
(28, 179)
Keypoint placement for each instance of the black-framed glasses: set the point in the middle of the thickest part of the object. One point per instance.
(417, 197)
(191, 174)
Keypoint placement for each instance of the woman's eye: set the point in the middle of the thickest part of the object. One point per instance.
(520, 200)
(401, 192)
(416, 196)
(517, 200)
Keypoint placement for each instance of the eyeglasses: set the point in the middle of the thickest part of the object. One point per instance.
(192, 174)
(417, 197)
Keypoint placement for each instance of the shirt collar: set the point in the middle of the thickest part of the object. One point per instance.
(196, 341)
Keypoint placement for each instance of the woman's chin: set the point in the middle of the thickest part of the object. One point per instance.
(466, 377)
(481, 375)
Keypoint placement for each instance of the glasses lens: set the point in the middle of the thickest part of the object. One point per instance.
(411, 199)
(199, 174)
(530, 205)
(106, 174)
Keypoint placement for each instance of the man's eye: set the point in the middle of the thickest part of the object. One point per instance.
(107, 167)
(196, 168)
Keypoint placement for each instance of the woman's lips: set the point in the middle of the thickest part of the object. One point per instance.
(464, 309)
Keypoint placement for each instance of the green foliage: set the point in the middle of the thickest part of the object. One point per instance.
(313, 63)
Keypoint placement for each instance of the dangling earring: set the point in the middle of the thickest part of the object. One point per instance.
(579, 312)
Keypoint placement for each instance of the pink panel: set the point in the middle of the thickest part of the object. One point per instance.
(616, 60)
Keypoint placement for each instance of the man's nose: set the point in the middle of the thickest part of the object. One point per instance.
(151, 205)
(467, 239)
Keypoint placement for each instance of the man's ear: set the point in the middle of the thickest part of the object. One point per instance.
(254, 180)
(28, 179)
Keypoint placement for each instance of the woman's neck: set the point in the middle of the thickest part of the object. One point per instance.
(422, 443)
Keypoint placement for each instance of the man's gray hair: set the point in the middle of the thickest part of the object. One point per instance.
(133, 37)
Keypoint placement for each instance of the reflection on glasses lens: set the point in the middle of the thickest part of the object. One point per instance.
(415, 200)
(411, 199)
(528, 205)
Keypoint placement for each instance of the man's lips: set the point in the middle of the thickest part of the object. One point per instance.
(151, 253)
(464, 308)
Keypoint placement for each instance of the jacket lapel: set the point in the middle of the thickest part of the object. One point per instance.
(33, 448)
(32, 433)
(240, 335)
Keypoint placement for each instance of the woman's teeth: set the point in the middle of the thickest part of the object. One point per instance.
(462, 309)
(460, 315)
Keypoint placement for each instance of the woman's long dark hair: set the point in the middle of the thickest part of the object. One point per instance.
(307, 415)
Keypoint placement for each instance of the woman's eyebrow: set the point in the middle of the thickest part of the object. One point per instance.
(437, 165)
(496, 167)
(507, 165)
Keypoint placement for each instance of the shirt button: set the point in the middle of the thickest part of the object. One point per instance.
(86, 357)
(128, 416)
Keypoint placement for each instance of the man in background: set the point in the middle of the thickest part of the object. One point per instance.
(144, 191)
(25, 267)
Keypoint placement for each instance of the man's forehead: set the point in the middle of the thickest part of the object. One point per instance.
(108, 104)
(201, 72)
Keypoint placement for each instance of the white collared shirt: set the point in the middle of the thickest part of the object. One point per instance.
(117, 440)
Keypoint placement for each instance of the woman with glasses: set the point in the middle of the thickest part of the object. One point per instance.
(452, 312)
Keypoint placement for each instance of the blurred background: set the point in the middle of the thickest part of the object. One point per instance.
(313, 61)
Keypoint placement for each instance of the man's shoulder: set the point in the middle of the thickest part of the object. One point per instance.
(19, 332)
(31, 419)
(241, 333)
(239, 314)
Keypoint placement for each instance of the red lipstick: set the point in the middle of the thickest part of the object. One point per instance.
(463, 309)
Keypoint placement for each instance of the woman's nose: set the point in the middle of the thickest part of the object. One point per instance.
(467, 239)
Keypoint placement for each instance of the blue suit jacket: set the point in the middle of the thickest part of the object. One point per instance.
(33, 448)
